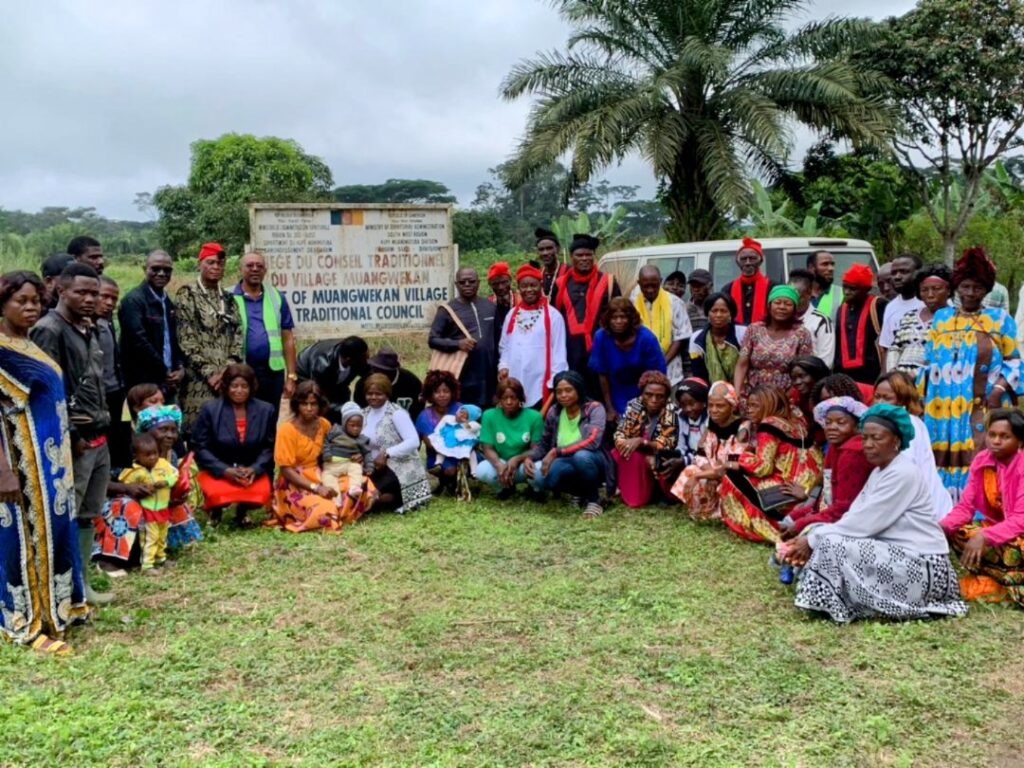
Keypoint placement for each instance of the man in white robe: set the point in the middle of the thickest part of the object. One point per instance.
(532, 345)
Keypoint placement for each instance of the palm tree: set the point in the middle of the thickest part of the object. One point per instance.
(707, 91)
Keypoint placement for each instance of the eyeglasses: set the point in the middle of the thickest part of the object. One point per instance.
(466, 282)
(161, 270)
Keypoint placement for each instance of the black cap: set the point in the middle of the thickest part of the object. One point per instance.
(701, 276)
(54, 265)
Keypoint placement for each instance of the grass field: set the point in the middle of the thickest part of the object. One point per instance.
(511, 634)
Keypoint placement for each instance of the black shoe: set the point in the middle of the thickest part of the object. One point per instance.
(532, 494)
(505, 494)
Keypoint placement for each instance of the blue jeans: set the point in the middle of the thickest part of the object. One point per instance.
(486, 473)
(580, 474)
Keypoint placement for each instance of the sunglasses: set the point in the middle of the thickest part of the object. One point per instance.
(161, 270)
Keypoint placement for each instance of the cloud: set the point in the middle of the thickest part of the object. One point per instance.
(104, 99)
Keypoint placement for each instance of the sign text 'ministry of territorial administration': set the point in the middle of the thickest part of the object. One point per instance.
(356, 269)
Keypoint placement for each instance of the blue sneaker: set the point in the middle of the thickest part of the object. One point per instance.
(786, 574)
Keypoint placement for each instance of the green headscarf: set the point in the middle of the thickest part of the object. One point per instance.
(892, 417)
(784, 292)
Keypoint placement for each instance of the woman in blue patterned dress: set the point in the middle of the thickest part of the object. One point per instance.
(972, 365)
(42, 589)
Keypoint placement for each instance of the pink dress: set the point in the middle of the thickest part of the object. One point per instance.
(719, 445)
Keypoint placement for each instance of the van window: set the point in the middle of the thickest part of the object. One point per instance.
(724, 269)
(624, 272)
(669, 264)
(844, 260)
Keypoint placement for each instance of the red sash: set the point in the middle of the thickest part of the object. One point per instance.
(760, 308)
(547, 335)
(856, 358)
(598, 282)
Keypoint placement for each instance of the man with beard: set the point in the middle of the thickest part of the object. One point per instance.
(825, 296)
(476, 316)
(548, 251)
(581, 294)
(87, 250)
(858, 326)
(750, 290)
(532, 346)
(149, 330)
(209, 332)
(904, 280)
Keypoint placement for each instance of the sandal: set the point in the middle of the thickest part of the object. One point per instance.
(45, 644)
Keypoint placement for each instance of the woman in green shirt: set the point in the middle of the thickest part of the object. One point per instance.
(508, 434)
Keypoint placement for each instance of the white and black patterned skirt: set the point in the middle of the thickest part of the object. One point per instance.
(850, 578)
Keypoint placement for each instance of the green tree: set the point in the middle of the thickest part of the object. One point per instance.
(479, 230)
(395, 191)
(705, 90)
(957, 67)
(865, 191)
(226, 175)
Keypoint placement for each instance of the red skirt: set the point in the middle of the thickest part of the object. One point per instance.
(221, 492)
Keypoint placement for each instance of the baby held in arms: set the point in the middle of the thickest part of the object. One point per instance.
(346, 452)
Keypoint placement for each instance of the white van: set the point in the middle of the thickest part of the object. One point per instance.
(781, 254)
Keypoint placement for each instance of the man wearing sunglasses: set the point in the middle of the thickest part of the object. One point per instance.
(149, 331)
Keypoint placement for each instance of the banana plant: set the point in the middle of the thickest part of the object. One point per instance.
(608, 228)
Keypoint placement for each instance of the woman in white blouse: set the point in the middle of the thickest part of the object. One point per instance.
(396, 468)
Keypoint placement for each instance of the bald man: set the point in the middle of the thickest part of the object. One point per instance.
(665, 315)
(269, 332)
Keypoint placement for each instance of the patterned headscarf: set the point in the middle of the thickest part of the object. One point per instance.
(725, 390)
(975, 265)
(848, 405)
(892, 417)
(156, 415)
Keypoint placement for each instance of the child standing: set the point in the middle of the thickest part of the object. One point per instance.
(150, 469)
(346, 452)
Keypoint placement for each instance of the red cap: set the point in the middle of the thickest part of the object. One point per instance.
(750, 244)
(210, 250)
(859, 276)
(528, 270)
(500, 269)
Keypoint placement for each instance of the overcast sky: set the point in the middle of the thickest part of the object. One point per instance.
(102, 99)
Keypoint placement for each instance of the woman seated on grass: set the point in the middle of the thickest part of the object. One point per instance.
(846, 469)
(886, 557)
(397, 470)
(440, 398)
(761, 486)
(301, 501)
(805, 372)
(233, 438)
(987, 525)
(568, 458)
(508, 434)
(648, 427)
(118, 529)
(897, 388)
(724, 441)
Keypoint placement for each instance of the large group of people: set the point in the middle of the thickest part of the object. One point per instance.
(860, 437)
